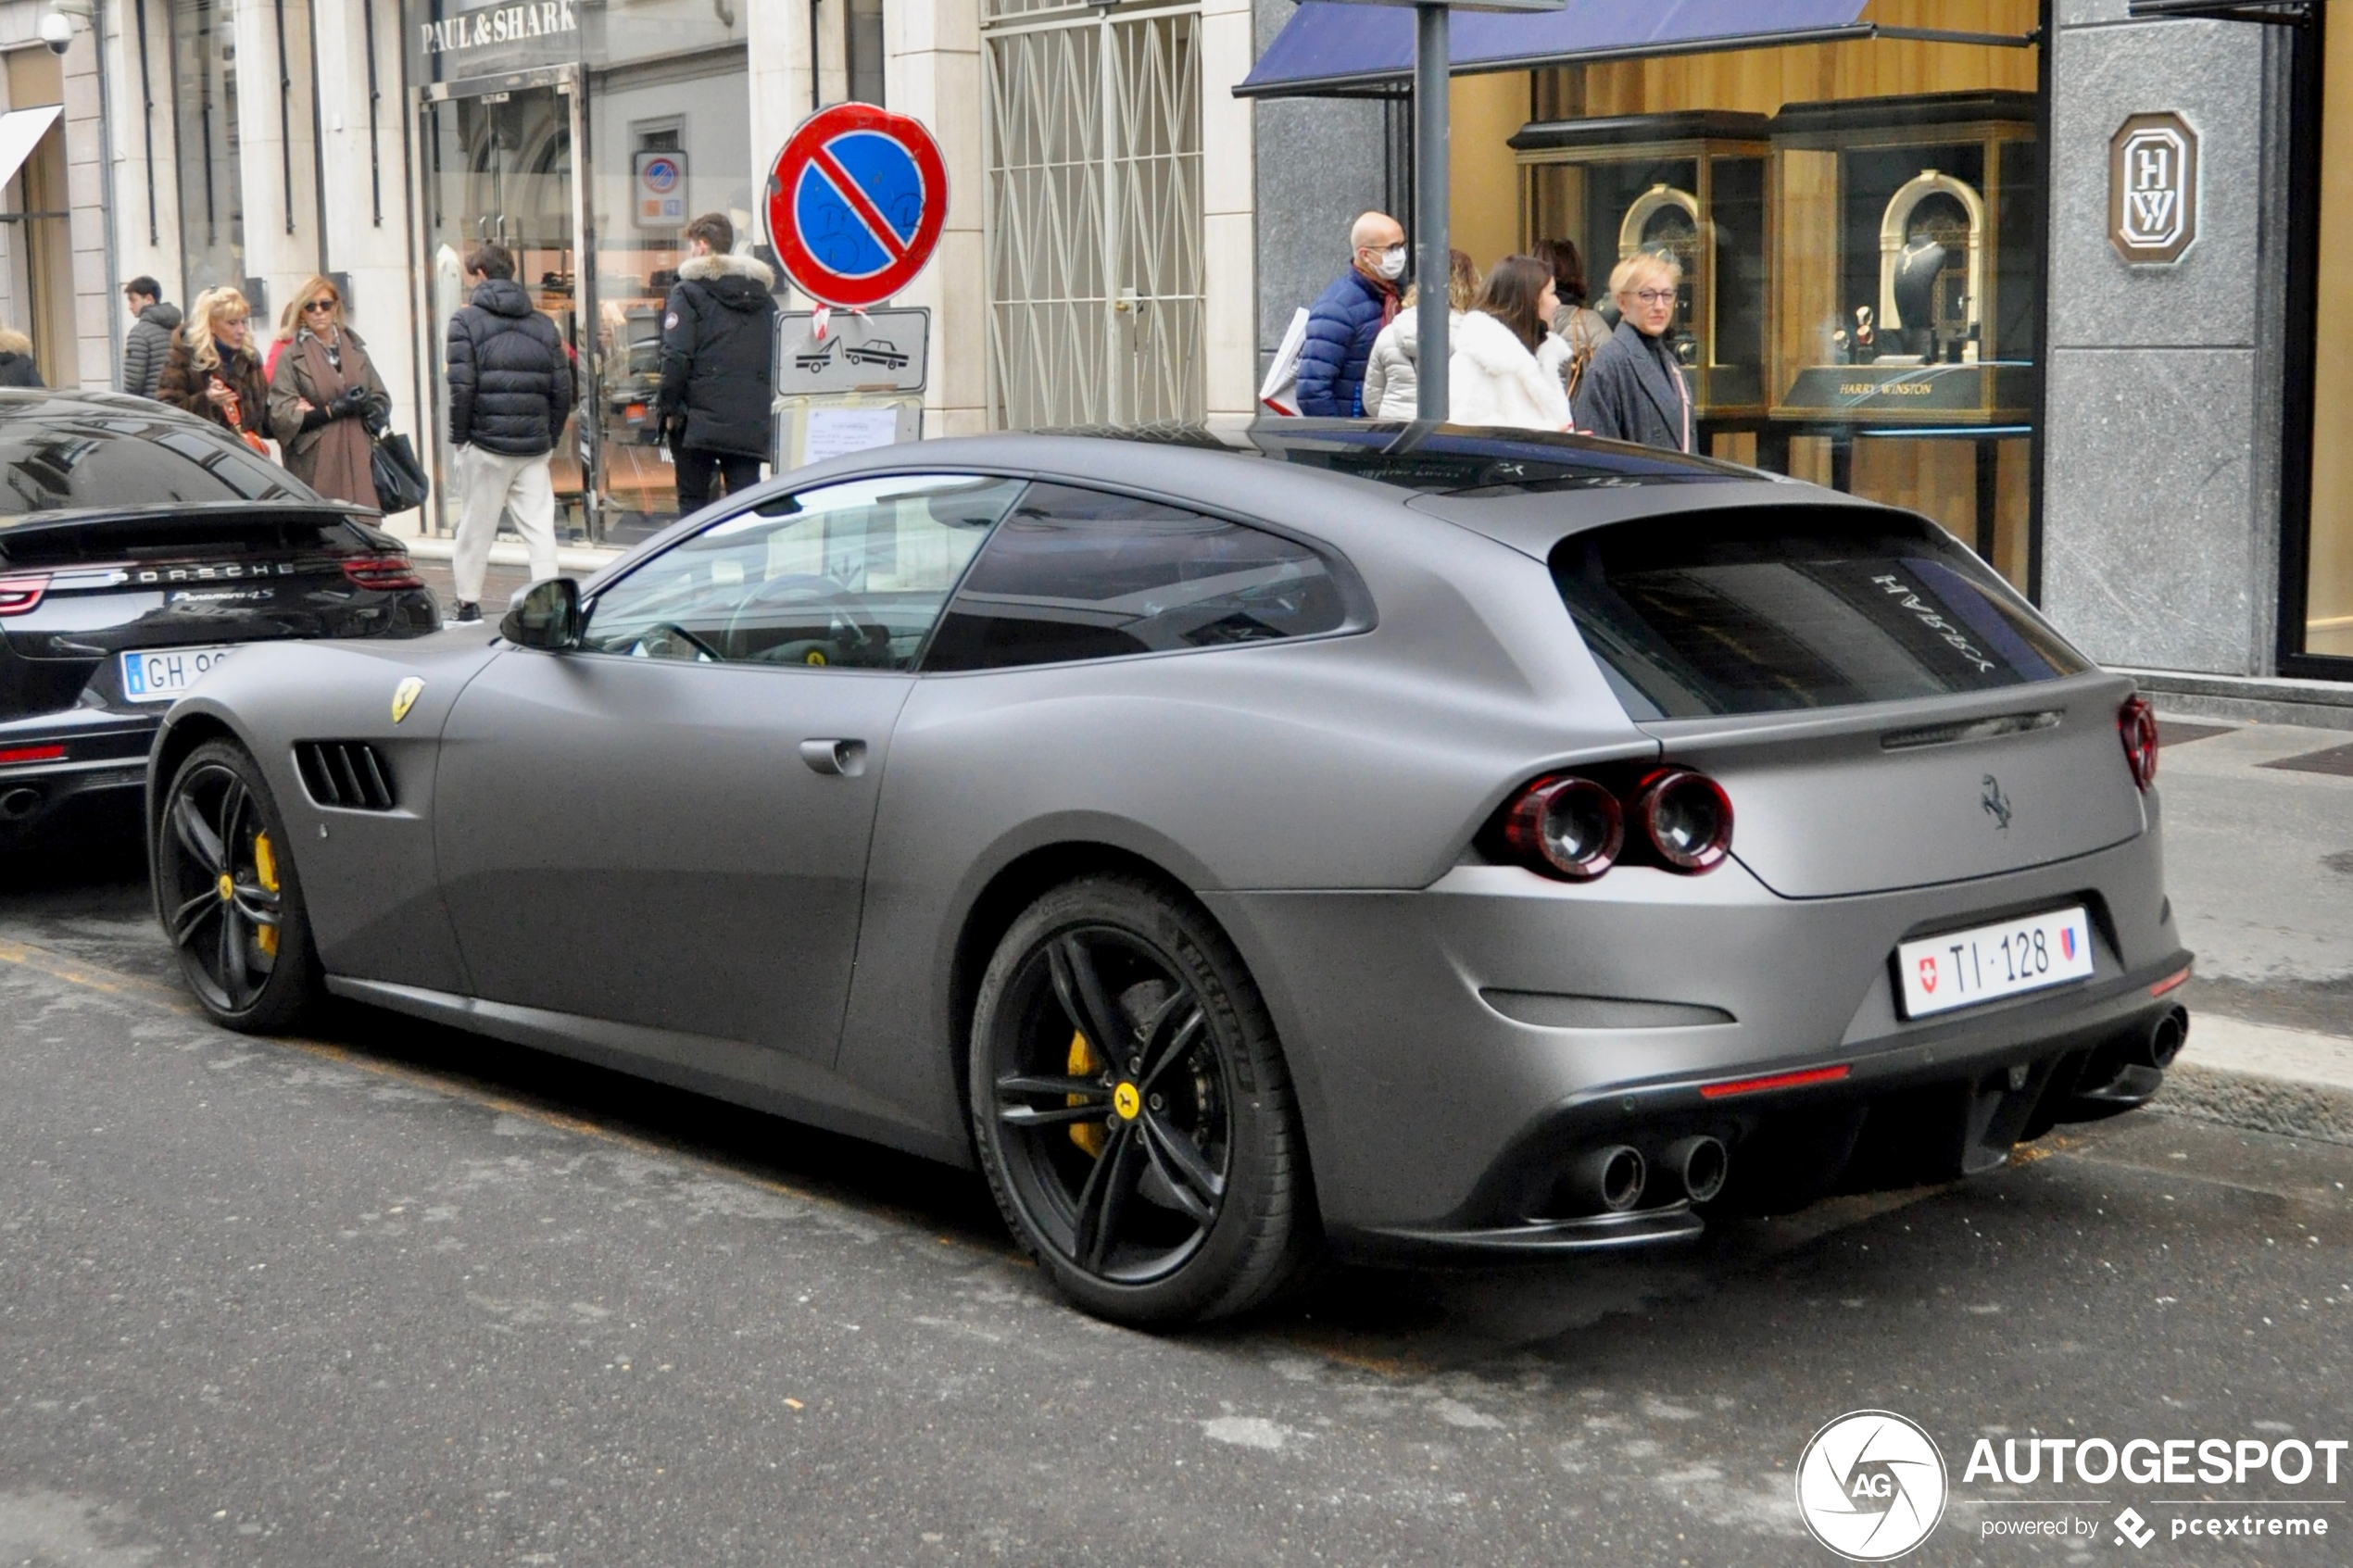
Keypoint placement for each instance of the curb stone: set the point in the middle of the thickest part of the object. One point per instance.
(2319, 1112)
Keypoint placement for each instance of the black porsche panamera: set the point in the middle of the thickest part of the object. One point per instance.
(139, 548)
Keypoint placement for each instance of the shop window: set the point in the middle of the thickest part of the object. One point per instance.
(41, 277)
(2326, 630)
(1858, 306)
(204, 111)
(862, 49)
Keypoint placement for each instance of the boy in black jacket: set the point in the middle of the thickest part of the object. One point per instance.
(718, 335)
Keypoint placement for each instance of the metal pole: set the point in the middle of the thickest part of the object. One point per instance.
(1432, 248)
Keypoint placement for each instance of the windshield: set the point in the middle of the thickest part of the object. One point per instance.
(1760, 612)
(91, 461)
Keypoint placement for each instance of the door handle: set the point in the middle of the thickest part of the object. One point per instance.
(845, 758)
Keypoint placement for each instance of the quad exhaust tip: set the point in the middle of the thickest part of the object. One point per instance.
(1613, 1177)
(1702, 1162)
(2166, 1038)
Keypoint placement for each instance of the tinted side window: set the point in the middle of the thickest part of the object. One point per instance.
(849, 575)
(1081, 574)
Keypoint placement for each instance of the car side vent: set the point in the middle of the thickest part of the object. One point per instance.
(346, 773)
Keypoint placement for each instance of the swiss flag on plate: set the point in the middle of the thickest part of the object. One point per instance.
(1928, 975)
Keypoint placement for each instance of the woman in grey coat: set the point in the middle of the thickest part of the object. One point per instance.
(1635, 389)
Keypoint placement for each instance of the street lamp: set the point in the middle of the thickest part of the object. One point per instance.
(1433, 244)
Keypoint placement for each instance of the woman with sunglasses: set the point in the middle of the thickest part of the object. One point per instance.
(212, 371)
(325, 398)
(1635, 389)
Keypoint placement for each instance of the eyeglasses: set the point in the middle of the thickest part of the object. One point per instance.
(320, 305)
(1655, 296)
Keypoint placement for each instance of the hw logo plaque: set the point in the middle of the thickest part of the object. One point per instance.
(2152, 189)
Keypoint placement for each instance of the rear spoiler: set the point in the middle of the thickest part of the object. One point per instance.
(109, 533)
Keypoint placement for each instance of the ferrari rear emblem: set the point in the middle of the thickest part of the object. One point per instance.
(404, 697)
(1996, 804)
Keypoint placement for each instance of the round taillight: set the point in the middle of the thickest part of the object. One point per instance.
(1686, 818)
(1566, 827)
(2136, 726)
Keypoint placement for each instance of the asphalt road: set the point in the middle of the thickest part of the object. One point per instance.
(395, 1295)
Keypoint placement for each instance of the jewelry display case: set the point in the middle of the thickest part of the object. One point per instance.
(1692, 184)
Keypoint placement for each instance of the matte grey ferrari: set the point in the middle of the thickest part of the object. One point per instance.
(1243, 847)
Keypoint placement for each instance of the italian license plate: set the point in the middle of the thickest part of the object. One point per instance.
(1961, 969)
(160, 674)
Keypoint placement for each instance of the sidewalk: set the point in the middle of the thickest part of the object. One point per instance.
(2259, 867)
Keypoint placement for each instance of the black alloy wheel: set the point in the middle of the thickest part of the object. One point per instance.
(226, 892)
(1132, 1108)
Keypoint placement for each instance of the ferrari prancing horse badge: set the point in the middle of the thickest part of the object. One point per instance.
(404, 697)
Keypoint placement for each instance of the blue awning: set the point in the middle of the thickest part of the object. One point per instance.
(1329, 48)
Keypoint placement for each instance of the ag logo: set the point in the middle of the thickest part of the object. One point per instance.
(1870, 1486)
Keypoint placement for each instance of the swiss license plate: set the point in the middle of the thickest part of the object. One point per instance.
(1963, 968)
(160, 674)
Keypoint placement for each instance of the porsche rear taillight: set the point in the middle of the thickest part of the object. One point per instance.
(1574, 828)
(18, 594)
(390, 570)
(2136, 726)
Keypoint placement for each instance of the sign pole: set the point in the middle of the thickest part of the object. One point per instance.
(1433, 258)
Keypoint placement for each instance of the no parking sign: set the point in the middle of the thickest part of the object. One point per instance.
(856, 203)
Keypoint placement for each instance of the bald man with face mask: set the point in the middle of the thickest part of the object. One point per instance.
(1348, 315)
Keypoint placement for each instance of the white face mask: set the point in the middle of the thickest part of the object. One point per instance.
(1391, 263)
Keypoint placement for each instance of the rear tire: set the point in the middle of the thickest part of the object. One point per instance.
(1132, 1109)
(228, 894)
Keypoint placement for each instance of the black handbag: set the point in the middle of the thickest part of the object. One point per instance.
(401, 484)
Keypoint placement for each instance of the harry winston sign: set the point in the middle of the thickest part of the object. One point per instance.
(2152, 188)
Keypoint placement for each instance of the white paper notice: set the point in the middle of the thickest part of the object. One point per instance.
(833, 433)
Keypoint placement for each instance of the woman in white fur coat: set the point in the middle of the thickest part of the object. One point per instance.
(1505, 367)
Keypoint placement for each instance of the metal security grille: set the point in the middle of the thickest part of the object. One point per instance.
(1094, 217)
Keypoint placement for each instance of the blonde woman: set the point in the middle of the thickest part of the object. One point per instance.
(324, 396)
(17, 367)
(212, 371)
(1635, 390)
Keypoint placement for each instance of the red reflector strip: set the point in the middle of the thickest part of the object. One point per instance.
(1777, 1081)
(30, 754)
(2168, 983)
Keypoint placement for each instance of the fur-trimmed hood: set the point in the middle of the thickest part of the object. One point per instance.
(720, 264)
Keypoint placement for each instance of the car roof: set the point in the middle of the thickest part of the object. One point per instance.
(1524, 489)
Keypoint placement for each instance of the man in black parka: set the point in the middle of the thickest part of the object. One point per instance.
(510, 388)
(717, 355)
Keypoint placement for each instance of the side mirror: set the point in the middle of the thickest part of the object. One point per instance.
(545, 616)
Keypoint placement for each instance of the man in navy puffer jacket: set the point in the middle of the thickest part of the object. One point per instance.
(1346, 317)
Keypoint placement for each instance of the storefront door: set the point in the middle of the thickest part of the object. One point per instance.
(501, 165)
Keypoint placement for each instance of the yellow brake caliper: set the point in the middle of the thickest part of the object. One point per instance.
(1088, 1135)
(265, 870)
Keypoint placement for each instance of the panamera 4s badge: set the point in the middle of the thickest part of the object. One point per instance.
(1996, 804)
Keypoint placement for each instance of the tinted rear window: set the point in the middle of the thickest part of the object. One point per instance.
(104, 461)
(1756, 614)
